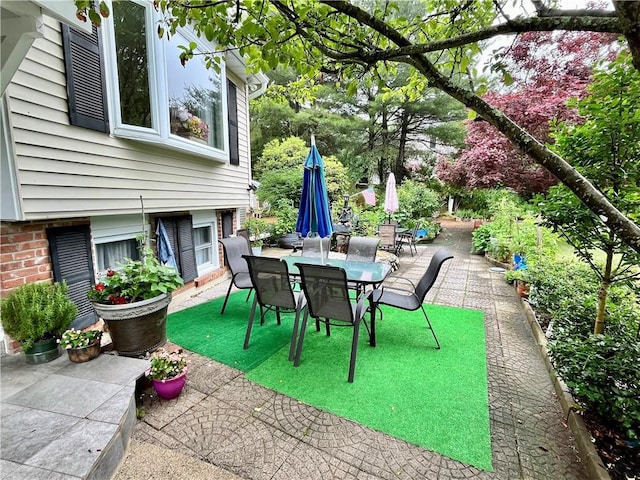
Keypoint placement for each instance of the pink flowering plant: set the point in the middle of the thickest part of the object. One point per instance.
(73, 338)
(192, 124)
(166, 364)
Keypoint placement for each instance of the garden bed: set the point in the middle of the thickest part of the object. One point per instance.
(603, 448)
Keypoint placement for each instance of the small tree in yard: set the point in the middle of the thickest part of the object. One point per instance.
(550, 69)
(605, 148)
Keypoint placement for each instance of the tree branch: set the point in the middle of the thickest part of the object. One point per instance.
(595, 200)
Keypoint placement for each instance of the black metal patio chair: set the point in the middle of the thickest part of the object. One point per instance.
(388, 238)
(273, 291)
(234, 249)
(362, 249)
(327, 294)
(315, 247)
(409, 239)
(413, 299)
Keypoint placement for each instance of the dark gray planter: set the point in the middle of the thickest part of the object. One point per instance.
(136, 328)
(43, 351)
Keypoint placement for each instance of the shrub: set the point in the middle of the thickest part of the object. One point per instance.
(553, 282)
(602, 372)
(416, 201)
(287, 218)
(37, 311)
(256, 227)
(481, 238)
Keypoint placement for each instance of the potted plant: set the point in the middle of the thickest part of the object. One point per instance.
(35, 315)
(256, 227)
(81, 346)
(168, 371)
(133, 302)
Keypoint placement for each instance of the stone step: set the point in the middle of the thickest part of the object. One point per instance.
(64, 420)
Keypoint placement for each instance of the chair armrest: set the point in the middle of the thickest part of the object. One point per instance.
(413, 286)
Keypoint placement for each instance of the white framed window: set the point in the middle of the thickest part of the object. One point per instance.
(152, 97)
(116, 238)
(204, 241)
(112, 254)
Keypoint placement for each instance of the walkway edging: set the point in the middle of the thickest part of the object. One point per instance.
(586, 450)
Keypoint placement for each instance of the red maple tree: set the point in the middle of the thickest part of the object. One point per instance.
(548, 69)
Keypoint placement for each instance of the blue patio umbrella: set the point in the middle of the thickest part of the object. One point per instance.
(314, 215)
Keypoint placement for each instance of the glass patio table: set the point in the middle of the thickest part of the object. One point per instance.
(366, 273)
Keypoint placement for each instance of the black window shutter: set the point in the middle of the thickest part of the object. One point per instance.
(186, 249)
(86, 88)
(180, 234)
(70, 249)
(232, 108)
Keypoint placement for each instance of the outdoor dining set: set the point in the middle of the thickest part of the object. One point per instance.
(334, 292)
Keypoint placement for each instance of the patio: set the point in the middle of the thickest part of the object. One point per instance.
(223, 426)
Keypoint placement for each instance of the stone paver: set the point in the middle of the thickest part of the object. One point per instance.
(255, 433)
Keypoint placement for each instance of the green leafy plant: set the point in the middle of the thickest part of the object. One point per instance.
(165, 364)
(602, 371)
(136, 280)
(481, 238)
(37, 311)
(287, 218)
(73, 338)
(256, 227)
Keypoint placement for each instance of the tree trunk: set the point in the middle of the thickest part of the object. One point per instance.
(399, 168)
(602, 295)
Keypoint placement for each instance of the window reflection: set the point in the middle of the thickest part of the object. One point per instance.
(195, 98)
(133, 74)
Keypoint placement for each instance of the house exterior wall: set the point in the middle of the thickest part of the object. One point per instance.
(67, 175)
(65, 171)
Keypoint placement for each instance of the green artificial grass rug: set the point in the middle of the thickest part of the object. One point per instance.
(203, 330)
(404, 387)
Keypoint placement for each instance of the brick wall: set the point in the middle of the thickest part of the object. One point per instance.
(24, 253)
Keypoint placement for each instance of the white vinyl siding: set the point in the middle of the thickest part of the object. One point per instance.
(67, 171)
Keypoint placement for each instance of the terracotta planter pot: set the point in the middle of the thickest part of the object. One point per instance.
(136, 328)
(84, 354)
(522, 289)
(171, 387)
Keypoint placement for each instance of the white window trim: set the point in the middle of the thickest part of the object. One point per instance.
(207, 219)
(160, 115)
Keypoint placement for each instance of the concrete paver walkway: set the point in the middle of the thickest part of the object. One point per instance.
(223, 426)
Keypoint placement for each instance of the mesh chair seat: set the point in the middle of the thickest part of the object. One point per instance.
(270, 278)
(314, 246)
(327, 294)
(234, 249)
(413, 299)
(363, 249)
(392, 296)
(388, 238)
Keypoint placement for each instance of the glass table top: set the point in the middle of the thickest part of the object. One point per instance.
(361, 272)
